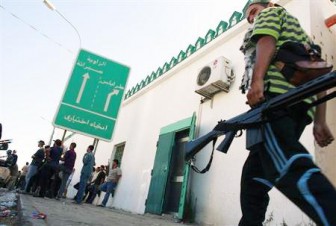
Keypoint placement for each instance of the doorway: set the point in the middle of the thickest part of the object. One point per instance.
(176, 174)
(169, 177)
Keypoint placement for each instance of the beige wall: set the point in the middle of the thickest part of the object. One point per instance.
(320, 10)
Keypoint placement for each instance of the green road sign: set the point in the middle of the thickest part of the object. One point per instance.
(92, 99)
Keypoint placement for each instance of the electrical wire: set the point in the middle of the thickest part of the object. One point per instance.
(35, 29)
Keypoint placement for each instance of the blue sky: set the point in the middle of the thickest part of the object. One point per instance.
(38, 49)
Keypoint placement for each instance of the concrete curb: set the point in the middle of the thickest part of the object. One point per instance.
(26, 210)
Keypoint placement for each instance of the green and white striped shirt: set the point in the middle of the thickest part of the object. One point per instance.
(278, 23)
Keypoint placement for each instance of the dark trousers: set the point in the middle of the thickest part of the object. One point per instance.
(55, 184)
(33, 182)
(44, 179)
(22, 182)
(93, 189)
(65, 175)
(282, 161)
(82, 187)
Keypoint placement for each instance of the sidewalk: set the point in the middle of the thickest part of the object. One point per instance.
(65, 213)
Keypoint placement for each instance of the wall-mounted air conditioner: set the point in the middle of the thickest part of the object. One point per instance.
(214, 77)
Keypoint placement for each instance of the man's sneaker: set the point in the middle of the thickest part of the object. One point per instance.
(101, 205)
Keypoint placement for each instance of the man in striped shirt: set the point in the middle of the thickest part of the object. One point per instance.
(280, 160)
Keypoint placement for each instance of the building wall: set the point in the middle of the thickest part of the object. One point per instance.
(326, 157)
(170, 98)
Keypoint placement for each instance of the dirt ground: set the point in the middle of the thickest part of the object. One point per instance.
(9, 208)
(66, 213)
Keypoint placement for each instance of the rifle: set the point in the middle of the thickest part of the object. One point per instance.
(4, 144)
(257, 116)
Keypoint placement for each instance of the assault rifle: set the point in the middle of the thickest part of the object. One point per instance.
(256, 116)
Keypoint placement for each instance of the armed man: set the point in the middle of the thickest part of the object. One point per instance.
(280, 160)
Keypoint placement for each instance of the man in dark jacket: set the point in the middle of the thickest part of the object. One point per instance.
(66, 169)
(35, 164)
(50, 169)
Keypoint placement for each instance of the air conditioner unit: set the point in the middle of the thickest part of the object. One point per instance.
(214, 77)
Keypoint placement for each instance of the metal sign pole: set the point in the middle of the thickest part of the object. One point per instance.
(64, 135)
(69, 136)
(52, 135)
(95, 144)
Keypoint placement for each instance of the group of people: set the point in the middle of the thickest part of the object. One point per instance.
(279, 160)
(92, 188)
(51, 170)
(45, 175)
(100, 180)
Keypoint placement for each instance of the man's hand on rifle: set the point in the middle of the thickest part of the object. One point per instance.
(321, 131)
(322, 134)
(255, 94)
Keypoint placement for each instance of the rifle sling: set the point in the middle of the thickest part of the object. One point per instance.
(206, 169)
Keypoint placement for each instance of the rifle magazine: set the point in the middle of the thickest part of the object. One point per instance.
(254, 137)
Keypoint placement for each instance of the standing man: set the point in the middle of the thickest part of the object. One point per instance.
(111, 181)
(67, 168)
(15, 157)
(88, 163)
(68, 183)
(96, 182)
(55, 156)
(14, 173)
(10, 159)
(13, 168)
(24, 170)
(42, 177)
(280, 160)
(35, 164)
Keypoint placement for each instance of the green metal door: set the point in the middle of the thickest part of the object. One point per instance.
(185, 187)
(157, 188)
(160, 173)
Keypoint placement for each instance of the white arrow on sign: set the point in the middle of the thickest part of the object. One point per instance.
(81, 90)
(107, 103)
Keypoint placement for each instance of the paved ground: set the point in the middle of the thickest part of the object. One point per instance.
(65, 213)
(9, 213)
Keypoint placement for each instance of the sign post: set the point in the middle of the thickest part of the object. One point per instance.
(92, 98)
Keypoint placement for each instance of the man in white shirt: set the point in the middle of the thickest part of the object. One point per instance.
(111, 181)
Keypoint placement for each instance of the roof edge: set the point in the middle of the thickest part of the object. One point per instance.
(221, 28)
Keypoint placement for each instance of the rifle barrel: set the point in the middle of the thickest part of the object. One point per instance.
(302, 92)
(253, 116)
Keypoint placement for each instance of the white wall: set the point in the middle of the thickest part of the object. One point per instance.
(326, 157)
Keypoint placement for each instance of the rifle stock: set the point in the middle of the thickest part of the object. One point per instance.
(254, 116)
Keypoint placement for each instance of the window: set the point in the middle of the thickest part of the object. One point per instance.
(119, 151)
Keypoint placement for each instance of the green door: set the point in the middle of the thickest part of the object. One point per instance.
(157, 188)
(185, 187)
(162, 165)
